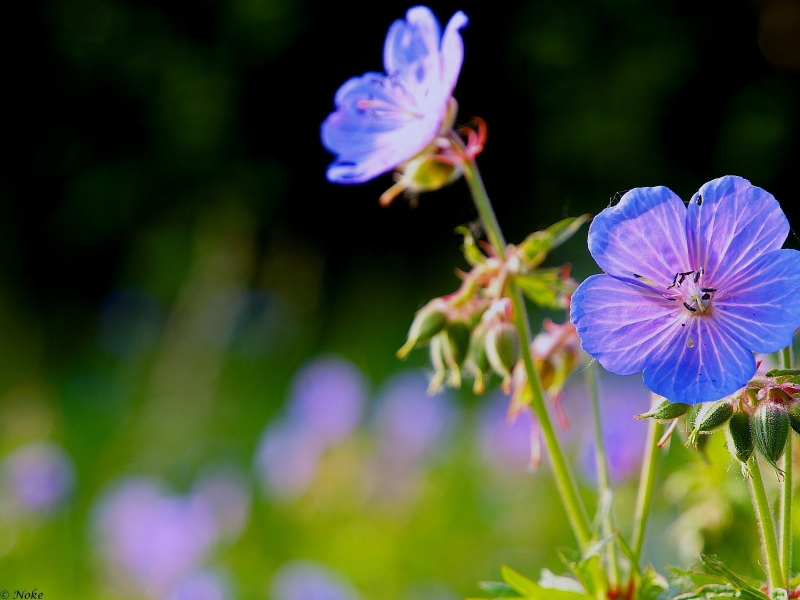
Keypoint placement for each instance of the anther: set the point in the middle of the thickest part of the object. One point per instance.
(697, 276)
(699, 199)
(708, 289)
(705, 297)
(689, 308)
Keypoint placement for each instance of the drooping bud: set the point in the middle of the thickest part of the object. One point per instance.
(502, 347)
(710, 416)
(429, 321)
(666, 411)
(740, 437)
(794, 416)
(478, 362)
(770, 426)
(437, 360)
(455, 346)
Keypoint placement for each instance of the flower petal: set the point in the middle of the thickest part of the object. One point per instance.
(729, 224)
(452, 51)
(702, 362)
(762, 306)
(621, 324)
(375, 137)
(643, 235)
(411, 50)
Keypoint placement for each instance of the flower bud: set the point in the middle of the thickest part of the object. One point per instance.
(740, 436)
(710, 416)
(427, 173)
(666, 411)
(794, 416)
(429, 321)
(437, 360)
(478, 362)
(770, 429)
(455, 346)
(502, 347)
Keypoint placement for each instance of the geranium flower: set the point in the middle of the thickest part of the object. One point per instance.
(384, 120)
(689, 293)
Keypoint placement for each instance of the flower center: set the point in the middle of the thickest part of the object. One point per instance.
(688, 288)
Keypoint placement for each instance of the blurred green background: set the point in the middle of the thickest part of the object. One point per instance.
(173, 262)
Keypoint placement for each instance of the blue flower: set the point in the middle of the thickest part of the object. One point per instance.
(383, 121)
(689, 293)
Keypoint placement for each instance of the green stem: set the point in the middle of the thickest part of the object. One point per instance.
(786, 490)
(603, 479)
(766, 527)
(568, 490)
(644, 495)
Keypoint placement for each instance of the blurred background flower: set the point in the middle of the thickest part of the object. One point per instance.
(191, 312)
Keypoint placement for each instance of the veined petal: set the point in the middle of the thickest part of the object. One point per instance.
(411, 51)
(643, 235)
(452, 51)
(729, 224)
(622, 325)
(373, 130)
(761, 306)
(702, 362)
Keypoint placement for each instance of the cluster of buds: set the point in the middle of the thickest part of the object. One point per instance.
(472, 330)
(756, 418)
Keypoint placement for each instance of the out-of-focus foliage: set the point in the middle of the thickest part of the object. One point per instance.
(173, 262)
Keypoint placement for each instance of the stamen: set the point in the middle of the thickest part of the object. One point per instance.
(706, 296)
(689, 308)
(674, 279)
(699, 199)
(697, 276)
(708, 289)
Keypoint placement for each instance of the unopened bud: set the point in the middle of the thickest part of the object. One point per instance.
(711, 416)
(794, 416)
(455, 346)
(666, 411)
(427, 173)
(502, 347)
(429, 321)
(770, 429)
(478, 362)
(740, 436)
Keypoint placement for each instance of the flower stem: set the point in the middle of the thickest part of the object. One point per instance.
(647, 479)
(785, 511)
(568, 490)
(601, 462)
(766, 527)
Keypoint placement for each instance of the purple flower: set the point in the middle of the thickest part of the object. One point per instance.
(328, 398)
(200, 585)
(227, 495)
(409, 422)
(506, 446)
(153, 538)
(689, 294)
(287, 459)
(39, 477)
(382, 121)
(306, 580)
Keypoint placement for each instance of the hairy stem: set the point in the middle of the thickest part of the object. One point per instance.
(785, 510)
(766, 527)
(601, 463)
(644, 495)
(567, 488)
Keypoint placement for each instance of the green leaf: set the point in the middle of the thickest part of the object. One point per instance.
(549, 580)
(470, 249)
(538, 245)
(498, 589)
(652, 584)
(737, 581)
(533, 591)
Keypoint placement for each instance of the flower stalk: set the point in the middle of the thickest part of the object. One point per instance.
(785, 511)
(766, 527)
(644, 495)
(568, 489)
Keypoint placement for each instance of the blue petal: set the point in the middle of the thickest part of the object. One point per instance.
(452, 51)
(371, 141)
(644, 234)
(762, 305)
(702, 362)
(622, 325)
(411, 50)
(729, 224)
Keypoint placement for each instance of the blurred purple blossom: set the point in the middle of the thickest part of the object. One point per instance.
(153, 537)
(409, 423)
(200, 585)
(227, 495)
(286, 459)
(328, 398)
(505, 446)
(306, 580)
(38, 477)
